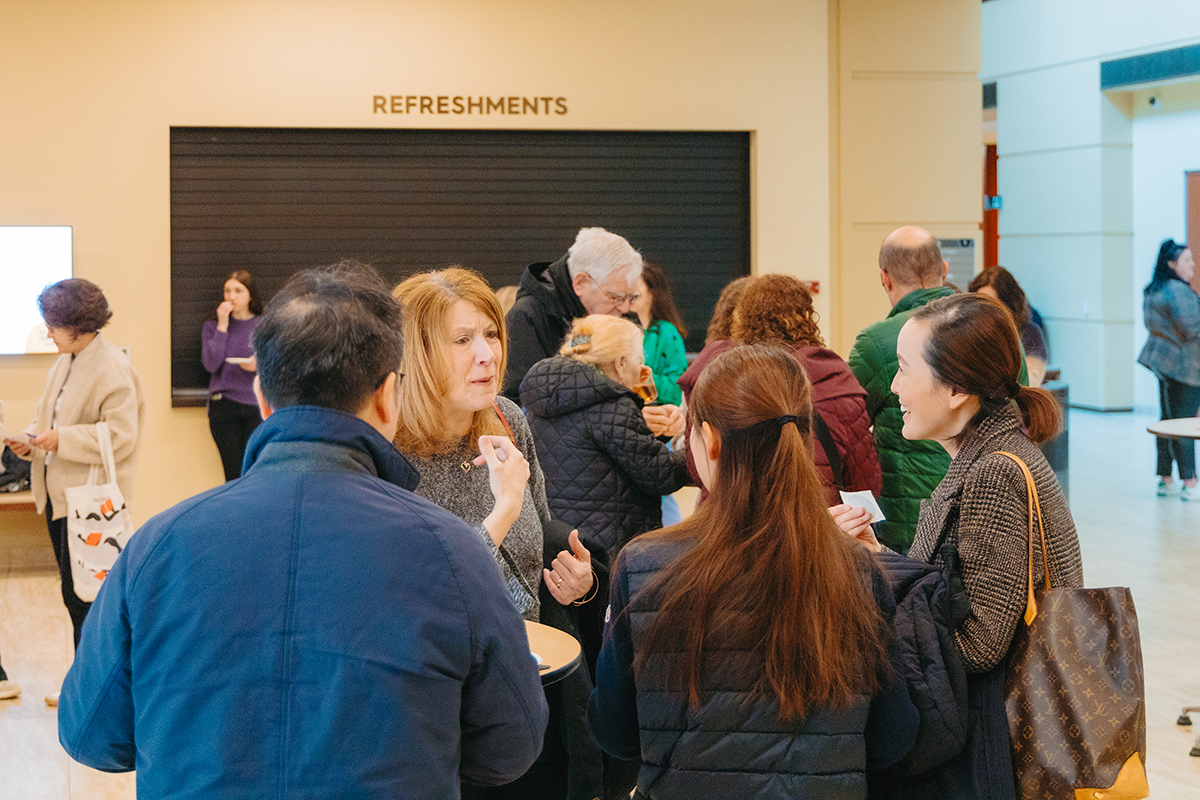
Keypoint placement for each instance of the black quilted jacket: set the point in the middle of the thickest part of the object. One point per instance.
(605, 471)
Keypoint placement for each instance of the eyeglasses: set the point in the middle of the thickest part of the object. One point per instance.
(617, 299)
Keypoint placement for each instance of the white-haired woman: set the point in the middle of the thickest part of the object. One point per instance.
(606, 471)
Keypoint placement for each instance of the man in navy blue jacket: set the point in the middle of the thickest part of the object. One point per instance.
(313, 629)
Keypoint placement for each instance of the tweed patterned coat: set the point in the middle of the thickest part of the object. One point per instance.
(981, 507)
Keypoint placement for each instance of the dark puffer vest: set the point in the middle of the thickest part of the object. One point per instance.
(733, 744)
(605, 471)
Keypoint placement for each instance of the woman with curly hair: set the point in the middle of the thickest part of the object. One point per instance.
(778, 308)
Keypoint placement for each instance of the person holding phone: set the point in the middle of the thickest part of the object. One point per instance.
(92, 381)
(227, 351)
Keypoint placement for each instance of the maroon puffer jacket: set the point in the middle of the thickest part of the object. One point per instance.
(841, 401)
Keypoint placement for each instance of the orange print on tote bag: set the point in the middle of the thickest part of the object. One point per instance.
(98, 523)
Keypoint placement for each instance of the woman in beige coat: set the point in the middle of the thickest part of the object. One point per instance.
(92, 381)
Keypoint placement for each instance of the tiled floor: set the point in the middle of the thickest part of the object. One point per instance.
(1129, 537)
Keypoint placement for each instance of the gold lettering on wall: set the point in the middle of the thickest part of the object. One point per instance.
(443, 105)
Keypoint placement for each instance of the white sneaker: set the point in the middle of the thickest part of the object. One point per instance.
(1190, 494)
(1167, 489)
(9, 690)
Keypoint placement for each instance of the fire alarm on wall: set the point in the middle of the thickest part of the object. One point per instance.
(814, 287)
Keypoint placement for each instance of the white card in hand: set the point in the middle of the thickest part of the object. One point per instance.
(865, 500)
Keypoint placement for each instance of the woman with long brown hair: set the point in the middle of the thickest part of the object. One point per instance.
(744, 645)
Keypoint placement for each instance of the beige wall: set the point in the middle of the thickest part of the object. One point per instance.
(97, 86)
(907, 149)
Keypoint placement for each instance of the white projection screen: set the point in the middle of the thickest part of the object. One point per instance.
(31, 257)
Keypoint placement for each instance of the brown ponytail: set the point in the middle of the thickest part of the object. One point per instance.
(1040, 412)
(770, 570)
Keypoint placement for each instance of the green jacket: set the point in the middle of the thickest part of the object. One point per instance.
(666, 355)
(911, 469)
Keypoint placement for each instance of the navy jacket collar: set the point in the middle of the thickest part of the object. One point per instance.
(320, 425)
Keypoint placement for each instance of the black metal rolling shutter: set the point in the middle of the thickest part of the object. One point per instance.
(276, 200)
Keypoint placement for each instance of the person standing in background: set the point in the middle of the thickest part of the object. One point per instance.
(1171, 309)
(663, 345)
(999, 283)
(8, 689)
(227, 351)
(778, 309)
(598, 275)
(92, 381)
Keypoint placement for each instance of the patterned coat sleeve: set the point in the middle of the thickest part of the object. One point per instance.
(993, 550)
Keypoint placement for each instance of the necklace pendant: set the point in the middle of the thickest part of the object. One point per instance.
(466, 465)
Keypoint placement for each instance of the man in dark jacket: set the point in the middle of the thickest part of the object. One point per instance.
(598, 275)
(313, 629)
(912, 272)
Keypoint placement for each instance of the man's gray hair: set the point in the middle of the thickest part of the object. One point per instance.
(600, 253)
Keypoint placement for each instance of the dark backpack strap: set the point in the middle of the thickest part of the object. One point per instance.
(825, 437)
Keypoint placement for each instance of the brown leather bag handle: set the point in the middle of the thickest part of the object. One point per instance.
(504, 420)
(1034, 505)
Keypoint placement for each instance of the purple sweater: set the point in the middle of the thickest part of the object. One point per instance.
(233, 382)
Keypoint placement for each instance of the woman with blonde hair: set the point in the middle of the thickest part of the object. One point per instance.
(474, 451)
(745, 645)
(606, 472)
(476, 458)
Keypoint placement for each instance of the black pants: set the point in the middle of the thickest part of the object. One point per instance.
(231, 424)
(77, 608)
(1177, 400)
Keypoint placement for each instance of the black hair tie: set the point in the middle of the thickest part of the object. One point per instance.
(785, 419)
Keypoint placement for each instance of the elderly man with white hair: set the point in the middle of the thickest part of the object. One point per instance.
(598, 275)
